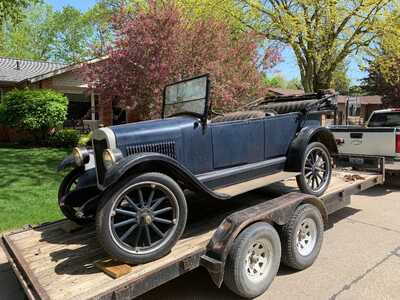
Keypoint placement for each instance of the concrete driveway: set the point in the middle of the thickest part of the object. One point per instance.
(360, 259)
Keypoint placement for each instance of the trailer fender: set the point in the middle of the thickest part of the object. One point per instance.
(156, 162)
(306, 136)
(276, 212)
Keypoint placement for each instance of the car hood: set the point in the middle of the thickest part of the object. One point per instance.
(153, 131)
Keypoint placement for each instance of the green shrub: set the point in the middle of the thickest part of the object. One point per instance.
(34, 110)
(64, 138)
(85, 139)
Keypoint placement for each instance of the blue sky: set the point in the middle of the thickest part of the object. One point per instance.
(288, 68)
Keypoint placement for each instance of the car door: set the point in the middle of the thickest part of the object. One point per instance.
(237, 142)
(280, 131)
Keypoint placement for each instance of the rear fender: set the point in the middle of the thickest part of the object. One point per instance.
(155, 162)
(306, 136)
(277, 211)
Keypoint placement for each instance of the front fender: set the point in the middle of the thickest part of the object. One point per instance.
(69, 161)
(305, 137)
(66, 162)
(155, 162)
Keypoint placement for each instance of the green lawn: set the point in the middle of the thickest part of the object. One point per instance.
(28, 186)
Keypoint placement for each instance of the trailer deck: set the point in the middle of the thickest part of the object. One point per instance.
(52, 263)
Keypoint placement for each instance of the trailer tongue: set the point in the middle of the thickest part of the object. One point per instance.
(52, 263)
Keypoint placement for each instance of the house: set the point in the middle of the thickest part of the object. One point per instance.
(357, 109)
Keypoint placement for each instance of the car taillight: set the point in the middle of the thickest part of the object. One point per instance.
(397, 143)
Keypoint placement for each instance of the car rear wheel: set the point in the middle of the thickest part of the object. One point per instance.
(253, 261)
(70, 209)
(316, 170)
(142, 218)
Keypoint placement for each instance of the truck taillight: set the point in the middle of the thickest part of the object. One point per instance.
(397, 143)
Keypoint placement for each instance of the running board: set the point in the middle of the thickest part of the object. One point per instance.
(243, 187)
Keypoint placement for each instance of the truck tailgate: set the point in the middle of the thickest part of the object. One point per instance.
(366, 141)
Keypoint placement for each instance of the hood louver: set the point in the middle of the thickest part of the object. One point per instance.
(166, 147)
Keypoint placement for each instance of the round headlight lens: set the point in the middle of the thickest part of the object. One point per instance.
(78, 156)
(108, 158)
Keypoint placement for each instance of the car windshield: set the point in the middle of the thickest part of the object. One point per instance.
(389, 119)
(186, 97)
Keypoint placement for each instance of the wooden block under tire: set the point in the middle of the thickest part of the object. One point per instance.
(113, 268)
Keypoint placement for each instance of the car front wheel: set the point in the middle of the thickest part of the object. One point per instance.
(316, 170)
(142, 218)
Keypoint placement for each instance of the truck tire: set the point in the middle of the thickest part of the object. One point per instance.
(302, 237)
(68, 184)
(316, 170)
(253, 261)
(141, 218)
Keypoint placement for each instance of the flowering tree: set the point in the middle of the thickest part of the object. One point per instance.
(159, 46)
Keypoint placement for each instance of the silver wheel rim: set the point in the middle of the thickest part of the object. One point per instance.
(306, 236)
(258, 260)
(145, 223)
(316, 170)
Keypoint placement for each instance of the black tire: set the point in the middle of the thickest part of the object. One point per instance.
(303, 181)
(66, 187)
(293, 254)
(132, 249)
(237, 270)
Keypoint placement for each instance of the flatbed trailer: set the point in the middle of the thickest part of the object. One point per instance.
(52, 262)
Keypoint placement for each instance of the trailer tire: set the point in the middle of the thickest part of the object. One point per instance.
(253, 260)
(307, 225)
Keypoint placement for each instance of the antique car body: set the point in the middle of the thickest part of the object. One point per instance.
(219, 158)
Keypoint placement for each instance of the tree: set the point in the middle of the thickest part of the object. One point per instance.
(322, 33)
(13, 10)
(340, 81)
(159, 45)
(73, 36)
(32, 37)
(384, 66)
(36, 111)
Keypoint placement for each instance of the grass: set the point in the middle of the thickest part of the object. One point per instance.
(28, 186)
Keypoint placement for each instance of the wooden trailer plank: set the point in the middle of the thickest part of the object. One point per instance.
(56, 264)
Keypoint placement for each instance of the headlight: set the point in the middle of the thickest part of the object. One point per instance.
(81, 156)
(111, 157)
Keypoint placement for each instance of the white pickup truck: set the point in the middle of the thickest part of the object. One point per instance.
(379, 137)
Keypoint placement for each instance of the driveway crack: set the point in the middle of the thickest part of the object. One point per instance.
(346, 287)
(351, 220)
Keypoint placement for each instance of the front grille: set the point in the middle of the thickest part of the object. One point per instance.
(165, 147)
(99, 147)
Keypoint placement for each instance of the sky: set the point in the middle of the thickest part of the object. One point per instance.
(288, 68)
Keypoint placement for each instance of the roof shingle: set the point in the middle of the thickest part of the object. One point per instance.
(16, 70)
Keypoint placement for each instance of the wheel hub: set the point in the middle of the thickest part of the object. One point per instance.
(258, 260)
(306, 237)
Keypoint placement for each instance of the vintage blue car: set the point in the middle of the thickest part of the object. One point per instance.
(134, 180)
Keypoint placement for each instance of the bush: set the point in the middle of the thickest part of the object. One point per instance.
(36, 111)
(64, 138)
(85, 139)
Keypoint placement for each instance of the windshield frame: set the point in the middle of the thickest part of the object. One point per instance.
(203, 116)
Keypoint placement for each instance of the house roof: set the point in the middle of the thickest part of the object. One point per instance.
(14, 70)
(285, 92)
(64, 69)
(375, 99)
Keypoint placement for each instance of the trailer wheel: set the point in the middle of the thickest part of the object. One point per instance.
(302, 237)
(253, 261)
(141, 219)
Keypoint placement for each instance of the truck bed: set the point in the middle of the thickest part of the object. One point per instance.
(53, 263)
